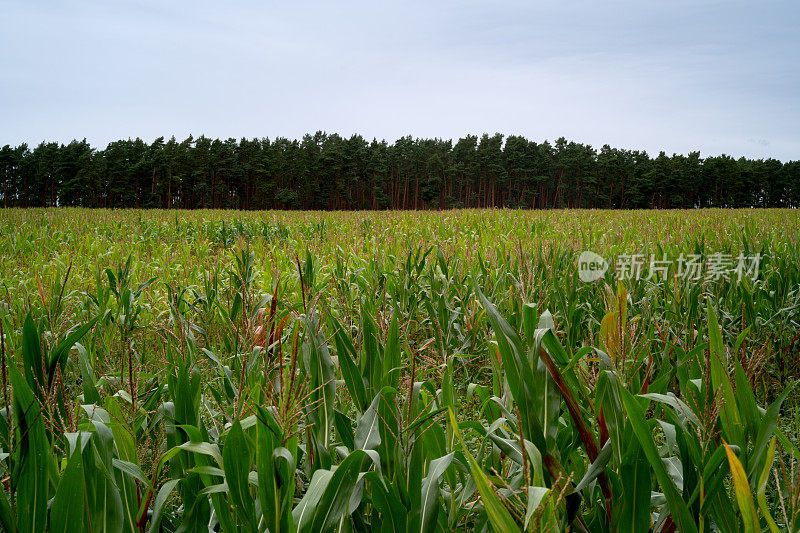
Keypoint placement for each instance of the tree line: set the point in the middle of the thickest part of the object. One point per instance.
(328, 171)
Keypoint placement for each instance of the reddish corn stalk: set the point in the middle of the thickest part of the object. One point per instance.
(580, 424)
(601, 421)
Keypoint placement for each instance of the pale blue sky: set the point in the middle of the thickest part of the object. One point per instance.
(720, 77)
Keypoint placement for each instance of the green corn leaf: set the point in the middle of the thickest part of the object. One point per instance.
(609, 404)
(344, 429)
(430, 491)
(766, 429)
(393, 513)
(680, 512)
(68, 512)
(8, 521)
(90, 394)
(391, 355)
(319, 366)
(160, 503)
(368, 428)
(787, 445)
(498, 515)
(635, 479)
(106, 512)
(236, 461)
(132, 470)
(761, 494)
(335, 499)
(59, 354)
(535, 497)
(596, 468)
(710, 471)
(747, 400)
(731, 420)
(32, 457)
(276, 468)
(518, 373)
(267, 433)
(303, 513)
(371, 359)
(32, 355)
(351, 374)
(204, 448)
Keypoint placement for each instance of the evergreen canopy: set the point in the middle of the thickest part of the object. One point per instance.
(328, 171)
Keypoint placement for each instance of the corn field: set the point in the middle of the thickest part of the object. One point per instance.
(396, 371)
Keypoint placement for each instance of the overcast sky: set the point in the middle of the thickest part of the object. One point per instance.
(719, 77)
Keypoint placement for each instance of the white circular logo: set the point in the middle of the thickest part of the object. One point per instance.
(591, 267)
